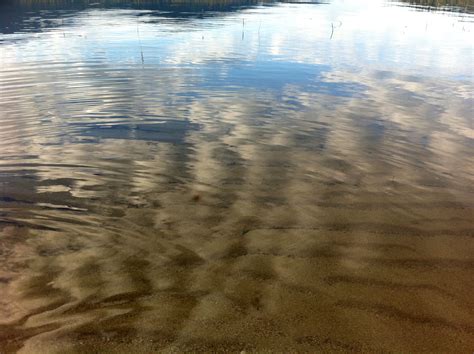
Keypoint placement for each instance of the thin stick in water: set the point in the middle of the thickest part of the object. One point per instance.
(139, 41)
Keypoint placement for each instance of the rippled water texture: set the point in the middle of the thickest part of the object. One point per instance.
(236, 176)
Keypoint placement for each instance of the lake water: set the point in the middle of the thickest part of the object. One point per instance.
(236, 176)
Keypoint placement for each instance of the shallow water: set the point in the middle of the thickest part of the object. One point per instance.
(228, 176)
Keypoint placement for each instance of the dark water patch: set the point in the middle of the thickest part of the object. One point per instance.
(450, 6)
(330, 344)
(167, 131)
(395, 313)
(273, 76)
(392, 285)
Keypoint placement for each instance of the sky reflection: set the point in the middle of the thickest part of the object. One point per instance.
(365, 33)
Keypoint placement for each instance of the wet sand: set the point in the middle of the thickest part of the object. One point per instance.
(250, 245)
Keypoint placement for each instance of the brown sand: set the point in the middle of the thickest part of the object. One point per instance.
(285, 250)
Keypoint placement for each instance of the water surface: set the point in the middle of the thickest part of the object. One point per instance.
(236, 175)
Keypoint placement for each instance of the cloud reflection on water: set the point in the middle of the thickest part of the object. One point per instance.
(273, 186)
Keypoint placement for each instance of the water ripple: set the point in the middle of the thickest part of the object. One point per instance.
(235, 176)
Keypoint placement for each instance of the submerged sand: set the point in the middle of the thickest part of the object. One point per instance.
(283, 250)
